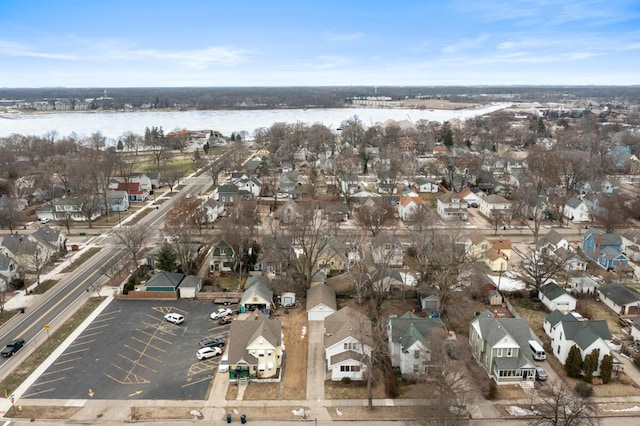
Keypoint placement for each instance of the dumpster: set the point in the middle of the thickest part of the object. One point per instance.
(83, 234)
(243, 418)
(22, 310)
(228, 418)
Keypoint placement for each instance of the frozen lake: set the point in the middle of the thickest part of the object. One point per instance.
(114, 124)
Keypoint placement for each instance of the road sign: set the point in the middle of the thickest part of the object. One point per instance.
(46, 326)
(13, 400)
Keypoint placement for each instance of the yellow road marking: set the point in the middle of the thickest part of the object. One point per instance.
(154, 336)
(38, 393)
(79, 350)
(49, 381)
(66, 361)
(143, 342)
(140, 364)
(197, 381)
(81, 343)
(56, 371)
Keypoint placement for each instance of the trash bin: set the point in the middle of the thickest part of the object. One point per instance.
(243, 418)
(228, 418)
(22, 310)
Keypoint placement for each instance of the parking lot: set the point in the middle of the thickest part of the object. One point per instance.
(129, 351)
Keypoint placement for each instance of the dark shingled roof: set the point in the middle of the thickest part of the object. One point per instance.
(620, 293)
(552, 290)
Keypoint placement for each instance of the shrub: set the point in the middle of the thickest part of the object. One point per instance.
(584, 390)
(590, 364)
(346, 380)
(606, 367)
(573, 363)
(492, 394)
(624, 379)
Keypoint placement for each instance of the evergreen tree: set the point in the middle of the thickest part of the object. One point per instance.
(573, 363)
(120, 145)
(590, 364)
(166, 258)
(606, 367)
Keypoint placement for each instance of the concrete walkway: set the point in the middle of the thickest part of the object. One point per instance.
(316, 371)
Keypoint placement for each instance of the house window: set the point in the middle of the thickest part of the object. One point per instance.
(499, 352)
(416, 368)
(350, 346)
(416, 354)
(509, 352)
(355, 368)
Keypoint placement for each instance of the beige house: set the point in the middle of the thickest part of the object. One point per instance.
(256, 348)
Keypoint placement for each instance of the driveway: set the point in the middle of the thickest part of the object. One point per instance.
(316, 368)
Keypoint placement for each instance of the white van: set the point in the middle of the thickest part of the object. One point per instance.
(538, 353)
(223, 367)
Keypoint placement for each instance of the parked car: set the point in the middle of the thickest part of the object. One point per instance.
(12, 348)
(211, 342)
(453, 352)
(223, 367)
(225, 321)
(541, 373)
(221, 313)
(45, 220)
(174, 318)
(204, 353)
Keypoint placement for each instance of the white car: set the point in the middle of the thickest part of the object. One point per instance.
(221, 313)
(174, 318)
(208, 352)
(223, 367)
(45, 220)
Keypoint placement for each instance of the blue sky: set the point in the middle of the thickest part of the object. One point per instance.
(128, 43)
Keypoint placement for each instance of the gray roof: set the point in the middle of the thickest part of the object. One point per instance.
(243, 332)
(407, 330)
(553, 237)
(256, 279)
(115, 196)
(165, 279)
(574, 202)
(552, 291)
(5, 261)
(348, 356)
(190, 281)
(619, 293)
(19, 244)
(258, 289)
(556, 316)
(321, 294)
(386, 273)
(345, 323)
(607, 238)
(384, 238)
(584, 333)
(47, 235)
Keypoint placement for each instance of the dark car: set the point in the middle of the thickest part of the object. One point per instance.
(211, 342)
(453, 352)
(12, 347)
(225, 321)
(541, 373)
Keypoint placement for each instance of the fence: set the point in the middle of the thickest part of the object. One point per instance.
(148, 295)
(233, 296)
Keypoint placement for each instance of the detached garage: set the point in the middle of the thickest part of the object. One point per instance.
(321, 302)
(555, 297)
(189, 286)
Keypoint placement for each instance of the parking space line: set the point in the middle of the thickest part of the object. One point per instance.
(142, 354)
(89, 335)
(162, 327)
(82, 343)
(150, 345)
(38, 393)
(49, 381)
(153, 336)
(97, 327)
(56, 371)
(204, 379)
(67, 360)
(139, 363)
(199, 368)
(129, 382)
(75, 352)
(168, 309)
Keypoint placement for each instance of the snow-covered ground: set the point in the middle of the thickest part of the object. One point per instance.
(508, 282)
(408, 279)
(519, 411)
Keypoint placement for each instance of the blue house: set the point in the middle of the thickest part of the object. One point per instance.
(604, 248)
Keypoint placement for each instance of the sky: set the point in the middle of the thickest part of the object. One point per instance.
(217, 43)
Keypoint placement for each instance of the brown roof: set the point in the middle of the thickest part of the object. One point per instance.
(407, 199)
(477, 237)
(321, 294)
(502, 244)
(243, 332)
(345, 323)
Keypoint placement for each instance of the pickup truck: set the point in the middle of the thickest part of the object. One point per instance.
(12, 348)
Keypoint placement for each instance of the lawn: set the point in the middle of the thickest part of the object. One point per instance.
(83, 258)
(295, 372)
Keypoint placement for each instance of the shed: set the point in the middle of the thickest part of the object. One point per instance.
(430, 303)
(321, 302)
(189, 286)
(288, 298)
(495, 298)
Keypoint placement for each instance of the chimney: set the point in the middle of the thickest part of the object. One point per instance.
(599, 243)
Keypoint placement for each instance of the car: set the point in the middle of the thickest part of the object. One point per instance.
(282, 195)
(225, 321)
(207, 352)
(210, 342)
(174, 318)
(221, 313)
(45, 220)
(12, 347)
(541, 373)
(223, 367)
(453, 352)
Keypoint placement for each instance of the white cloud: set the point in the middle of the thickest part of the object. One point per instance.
(465, 44)
(10, 48)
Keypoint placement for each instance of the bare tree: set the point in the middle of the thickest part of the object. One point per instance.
(545, 265)
(559, 406)
(215, 167)
(36, 260)
(10, 213)
(374, 217)
(611, 211)
(133, 237)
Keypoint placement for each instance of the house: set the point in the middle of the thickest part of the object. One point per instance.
(386, 182)
(250, 185)
(164, 281)
(213, 209)
(566, 330)
(347, 344)
(387, 250)
(24, 251)
(583, 285)
(635, 330)
(190, 286)
(257, 295)
(222, 257)
(228, 194)
(502, 246)
(349, 183)
(496, 261)
(255, 349)
(410, 343)
(9, 271)
(274, 262)
(500, 345)
(288, 182)
(135, 191)
(143, 180)
(118, 201)
(554, 241)
(425, 185)
(385, 279)
(321, 302)
(572, 261)
(71, 208)
(472, 199)
(336, 211)
(555, 297)
(496, 207)
(631, 244)
(476, 245)
(452, 206)
(604, 248)
(577, 210)
(620, 299)
(50, 239)
(289, 212)
(408, 207)
(332, 257)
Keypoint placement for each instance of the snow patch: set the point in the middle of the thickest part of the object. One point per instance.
(507, 283)
(514, 410)
(408, 279)
(624, 410)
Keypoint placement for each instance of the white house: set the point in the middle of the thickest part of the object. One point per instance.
(472, 198)
(555, 297)
(143, 180)
(495, 206)
(577, 210)
(8, 271)
(426, 185)
(213, 209)
(620, 299)
(635, 329)
(566, 330)
(452, 206)
(347, 344)
(408, 207)
(410, 348)
(583, 285)
(321, 302)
